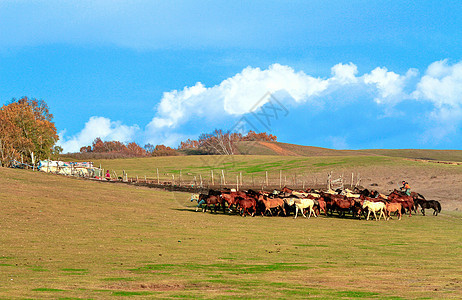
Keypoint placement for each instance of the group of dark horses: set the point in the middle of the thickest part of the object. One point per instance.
(285, 201)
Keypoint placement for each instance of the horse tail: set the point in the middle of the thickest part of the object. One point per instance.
(439, 206)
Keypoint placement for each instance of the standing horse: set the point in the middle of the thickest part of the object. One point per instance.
(374, 207)
(424, 204)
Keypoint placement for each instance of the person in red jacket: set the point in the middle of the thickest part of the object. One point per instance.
(108, 175)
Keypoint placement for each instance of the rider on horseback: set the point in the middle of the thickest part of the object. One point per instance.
(406, 188)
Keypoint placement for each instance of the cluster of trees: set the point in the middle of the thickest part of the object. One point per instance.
(129, 150)
(224, 143)
(116, 149)
(217, 142)
(26, 131)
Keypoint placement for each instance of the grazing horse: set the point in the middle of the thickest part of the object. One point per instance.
(393, 207)
(374, 207)
(271, 203)
(424, 204)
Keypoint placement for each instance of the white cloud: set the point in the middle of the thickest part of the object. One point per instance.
(100, 127)
(209, 107)
(442, 86)
(345, 74)
(241, 93)
(388, 85)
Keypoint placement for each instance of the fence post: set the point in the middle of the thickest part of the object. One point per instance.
(212, 178)
(352, 179)
(237, 183)
(179, 179)
(158, 182)
(240, 174)
(266, 178)
(200, 176)
(173, 179)
(280, 179)
(223, 174)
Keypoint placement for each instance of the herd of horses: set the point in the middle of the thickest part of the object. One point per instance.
(356, 203)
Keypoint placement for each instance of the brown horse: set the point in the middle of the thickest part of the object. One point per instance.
(393, 207)
(271, 203)
(244, 204)
(231, 198)
(211, 201)
(407, 202)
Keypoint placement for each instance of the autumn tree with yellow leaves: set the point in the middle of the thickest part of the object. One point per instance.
(26, 129)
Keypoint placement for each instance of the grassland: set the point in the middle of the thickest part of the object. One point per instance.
(65, 238)
(292, 169)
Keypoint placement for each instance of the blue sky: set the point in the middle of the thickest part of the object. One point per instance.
(351, 74)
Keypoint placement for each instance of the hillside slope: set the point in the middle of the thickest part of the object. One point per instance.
(285, 149)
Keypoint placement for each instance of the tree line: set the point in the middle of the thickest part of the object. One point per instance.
(217, 142)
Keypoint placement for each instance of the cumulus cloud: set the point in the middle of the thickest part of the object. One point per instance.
(100, 127)
(441, 85)
(389, 86)
(243, 93)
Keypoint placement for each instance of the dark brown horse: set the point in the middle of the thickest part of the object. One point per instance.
(211, 201)
(245, 205)
(427, 204)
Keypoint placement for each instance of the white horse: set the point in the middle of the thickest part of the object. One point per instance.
(301, 204)
(375, 207)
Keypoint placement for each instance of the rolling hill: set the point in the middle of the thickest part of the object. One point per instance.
(285, 149)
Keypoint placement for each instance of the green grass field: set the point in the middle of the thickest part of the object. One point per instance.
(66, 238)
(255, 166)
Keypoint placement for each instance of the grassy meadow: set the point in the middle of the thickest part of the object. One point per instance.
(67, 238)
(253, 168)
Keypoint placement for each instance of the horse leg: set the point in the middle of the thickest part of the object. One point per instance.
(368, 214)
(303, 212)
(423, 211)
(296, 211)
(375, 216)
